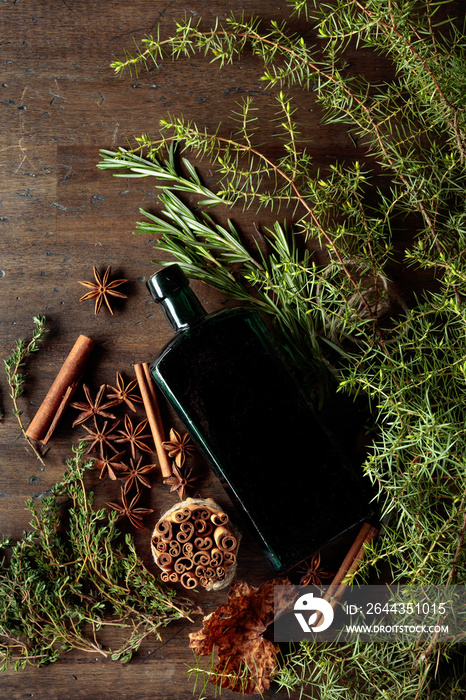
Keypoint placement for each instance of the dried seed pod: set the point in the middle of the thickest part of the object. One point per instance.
(195, 544)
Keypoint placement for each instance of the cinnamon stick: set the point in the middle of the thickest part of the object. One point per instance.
(189, 580)
(149, 398)
(348, 561)
(224, 539)
(348, 567)
(60, 393)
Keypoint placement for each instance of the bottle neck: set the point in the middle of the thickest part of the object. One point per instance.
(183, 309)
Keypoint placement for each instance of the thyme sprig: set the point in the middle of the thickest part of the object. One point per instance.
(63, 585)
(17, 378)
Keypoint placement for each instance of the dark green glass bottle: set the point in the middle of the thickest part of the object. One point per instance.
(242, 408)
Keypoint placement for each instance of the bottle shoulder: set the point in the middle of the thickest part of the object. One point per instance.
(224, 322)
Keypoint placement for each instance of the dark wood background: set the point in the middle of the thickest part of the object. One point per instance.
(60, 102)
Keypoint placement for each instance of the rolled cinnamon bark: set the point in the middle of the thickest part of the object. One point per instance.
(164, 530)
(165, 561)
(203, 527)
(219, 518)
(151, 406)
(220, 573)
(189, 580)
(224, 539)
(201, 558)
(229, 559)
(188, 549)
(60, 393)
(174, 548)
(203, 543)
(161, 546)
(185, 533)
(183, 564)
(201, 514)
(216, 556)
(180, 516)
(193, 553)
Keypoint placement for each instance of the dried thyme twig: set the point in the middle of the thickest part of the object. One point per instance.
(61, 587)
(17, 379)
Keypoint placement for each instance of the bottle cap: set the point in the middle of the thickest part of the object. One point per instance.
(166, 282)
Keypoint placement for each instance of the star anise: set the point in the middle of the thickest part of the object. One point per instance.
(313, 574)
(134, 475)
(178, 447)
(129, 511)
(109, 465)
(101, 288)
(123, 393)
(101, 437)
(134, 436)
(92, 407)
(181, 481)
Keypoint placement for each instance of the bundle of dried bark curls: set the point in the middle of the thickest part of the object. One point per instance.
(194, 544)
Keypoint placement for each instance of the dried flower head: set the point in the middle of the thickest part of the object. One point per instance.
(135, 474)
(178, 447)
(101, 289)
(134, 436)
(312, 574)
(92, 407)
(101, 437)
(110, 465)
(128, 510)
(181, 481)
(124, 394)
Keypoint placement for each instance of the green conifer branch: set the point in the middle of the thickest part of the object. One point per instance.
(407, 360)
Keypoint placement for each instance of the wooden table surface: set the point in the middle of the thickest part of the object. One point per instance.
(60, 102)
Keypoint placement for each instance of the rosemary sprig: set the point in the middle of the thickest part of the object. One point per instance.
(62, 586)
(16, 377)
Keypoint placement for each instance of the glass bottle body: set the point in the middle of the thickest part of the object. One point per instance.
(228, 385)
